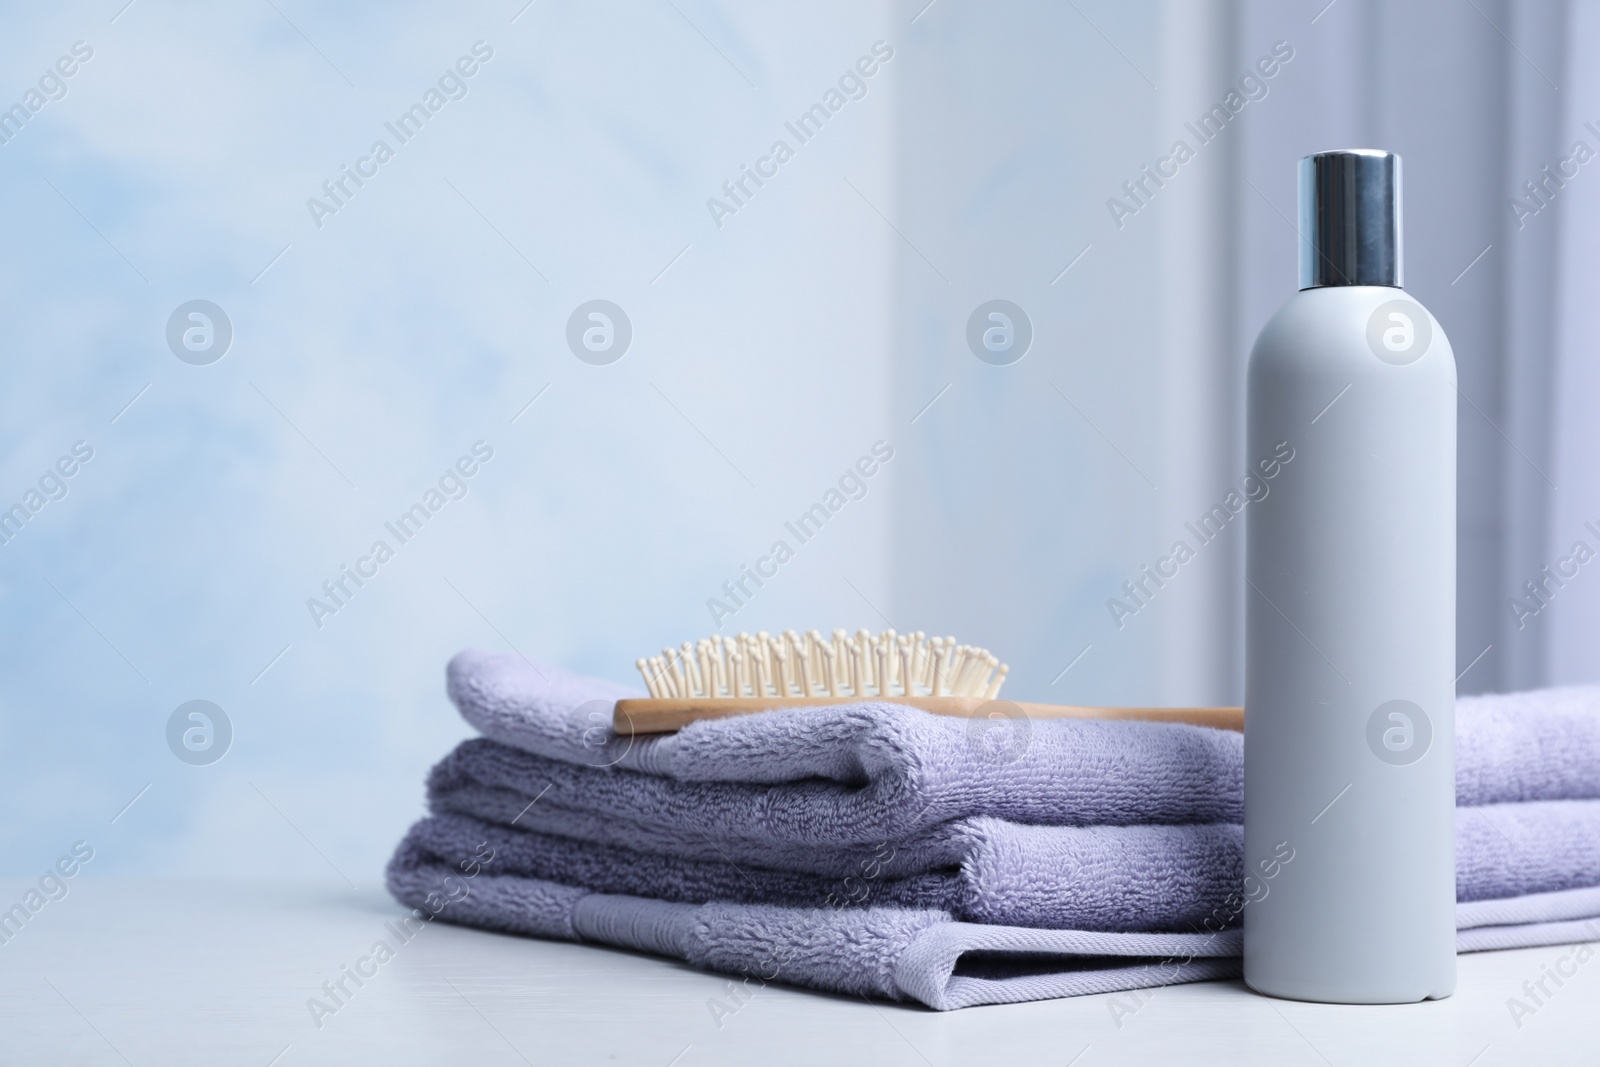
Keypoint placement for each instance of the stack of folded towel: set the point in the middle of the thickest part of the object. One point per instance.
(876, 849)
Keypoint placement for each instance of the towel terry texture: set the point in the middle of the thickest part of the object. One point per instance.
(625, 832)
(876, 849)
(1110, 879)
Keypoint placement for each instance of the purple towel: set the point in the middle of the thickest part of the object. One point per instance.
(1116, 879)
(906, 954)
(1503, 849)
(905, 822)
(872, 772)
(694, 820)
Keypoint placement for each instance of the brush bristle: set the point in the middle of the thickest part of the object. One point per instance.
(851, 668)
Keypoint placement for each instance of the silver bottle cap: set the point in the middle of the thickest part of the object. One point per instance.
(1350, 218)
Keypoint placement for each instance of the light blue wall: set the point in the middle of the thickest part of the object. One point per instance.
(402, 331)
(1034, 495)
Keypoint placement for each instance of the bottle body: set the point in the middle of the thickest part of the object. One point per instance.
(1350, 653)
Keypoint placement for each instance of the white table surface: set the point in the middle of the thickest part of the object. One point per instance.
(180, 972)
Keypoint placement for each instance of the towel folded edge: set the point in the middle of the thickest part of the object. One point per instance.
(1528, 935)
(926, 969)
(1556, 906)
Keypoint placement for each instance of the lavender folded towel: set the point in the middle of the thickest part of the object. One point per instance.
(908, 954)
(1502, 849)
(873, 772)
(1035, 823)
(1116, 879)
(864, 772)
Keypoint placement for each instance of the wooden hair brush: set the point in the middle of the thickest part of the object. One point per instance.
(717, 677)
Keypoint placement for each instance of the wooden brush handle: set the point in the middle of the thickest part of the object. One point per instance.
(663, 716)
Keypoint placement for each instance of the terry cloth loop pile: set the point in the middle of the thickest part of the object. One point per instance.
(876, 849)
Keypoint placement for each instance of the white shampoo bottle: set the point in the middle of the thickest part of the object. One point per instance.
(1349, 803)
